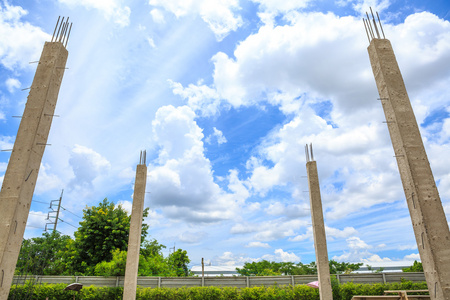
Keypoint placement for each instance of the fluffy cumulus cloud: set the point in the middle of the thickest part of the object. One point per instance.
(282, 256)
(360, 251)
(217, 135)
(193, 237)
(21, 42)
(111, 9)
(220, 15)
(87, 166)
(257, 245)
(181, 179)
(47, 180)
(228, 258)
(12, 84)
(269, 230)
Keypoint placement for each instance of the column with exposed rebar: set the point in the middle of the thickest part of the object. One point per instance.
(134, 239)
(318, 225)
(427, 214)
(23, 167)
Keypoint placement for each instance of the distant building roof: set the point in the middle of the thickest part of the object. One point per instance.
(216, 270)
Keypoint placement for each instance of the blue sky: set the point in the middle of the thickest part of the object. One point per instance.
(223, 95)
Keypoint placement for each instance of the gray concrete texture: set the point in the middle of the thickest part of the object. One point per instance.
(23, 167)
(427, 214)
(134, 239)
(318, 225)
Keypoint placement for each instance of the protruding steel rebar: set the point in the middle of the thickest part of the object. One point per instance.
(312, 154)
(63, 33)
(365, 27)
(55, 28)
(371, 27)
(374, 23)
(380, 25)
(59, 29)
(68, 35)
(307, 153)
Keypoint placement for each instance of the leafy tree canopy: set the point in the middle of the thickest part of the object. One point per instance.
(43, 255)
(104, 228)
(265, 268)
(416, 267)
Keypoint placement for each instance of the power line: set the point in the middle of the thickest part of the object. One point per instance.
(34, 227)
(71, 212)
(68, 223)
(39, 202)
(37, 214)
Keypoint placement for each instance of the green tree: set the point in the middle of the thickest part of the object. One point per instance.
(416, 267)
(115, 267)
(179, 261)
(103, 229)
(43, 255)
(343, 267)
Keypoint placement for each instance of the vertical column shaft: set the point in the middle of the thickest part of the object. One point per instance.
(318, 224)
(134, 239)
(427, 214)
(23, 167)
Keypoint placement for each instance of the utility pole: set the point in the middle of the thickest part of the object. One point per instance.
(55, 223)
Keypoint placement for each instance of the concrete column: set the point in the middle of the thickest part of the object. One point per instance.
(134, 239)
(23, 167)
(320, 241)
(427, 214)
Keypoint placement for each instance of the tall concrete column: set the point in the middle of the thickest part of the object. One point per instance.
(320, 240)
(23, 167)
(134, 239)
(427, 214)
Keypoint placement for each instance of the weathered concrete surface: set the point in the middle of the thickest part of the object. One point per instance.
(23, 167)
(320, 240)
(134, 239)
(430, 225)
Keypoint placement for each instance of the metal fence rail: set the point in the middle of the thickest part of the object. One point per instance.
(235, 281)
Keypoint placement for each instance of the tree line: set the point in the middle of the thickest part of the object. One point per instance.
(99, 248)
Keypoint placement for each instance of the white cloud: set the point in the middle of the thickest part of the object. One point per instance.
(408, 247)
(363, 6)
(282, 256)
(289, 210)
(220, 15)
(21, 42)
(412, 257)
(257, 245)
(337, 233)
(182, 166)
(37, 219)
(200, 98)
(151, 42)
(355, 243)
(193, 237)
(216, 135)
(157, 16)
(269, 9)
(6, 142)
(12, 84)
(375, 258)
(87, 165)
(111, 9)
(269, 230)
(230, 259)
(47, 181)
